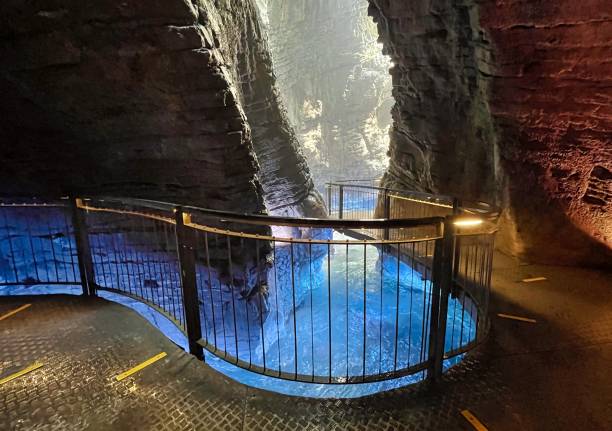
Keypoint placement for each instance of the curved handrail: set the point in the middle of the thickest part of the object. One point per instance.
(136, 247)
(480, 208)
(270, 220)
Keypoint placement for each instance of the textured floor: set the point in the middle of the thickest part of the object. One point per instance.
(551, 375)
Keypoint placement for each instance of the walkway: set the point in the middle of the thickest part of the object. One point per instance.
(550, 375)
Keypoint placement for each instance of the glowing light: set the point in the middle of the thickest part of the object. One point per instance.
(469, 222)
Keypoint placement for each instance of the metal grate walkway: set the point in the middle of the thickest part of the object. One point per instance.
(553, 374)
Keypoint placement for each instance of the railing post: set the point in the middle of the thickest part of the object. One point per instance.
(329, 198)
(387, 211)
(340, 201)
(81, 236)
(186, 244)
(442, 279)
(457, 256)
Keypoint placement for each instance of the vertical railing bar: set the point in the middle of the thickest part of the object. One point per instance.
(118, 264)
(109, 266)
(144, 258)
(199, 281)
(10, 241)
(131, 260)
(280, 368)
(148, 257)
(425, 314)
(96, 251)
(387, 211)
(69, 240)
(212, 302)
(412, 267)
(166, 266)
(231, 277)
(443, 278)
(248, 319)
(225, 351)
(340, 202)
(346, 276)
(329, 318)
(159, 254)
(466, 283)
(435, 307)
(259, 295)
(83, 249)
(397, 305)
(311, 313)
(103, 257)
(137, 257)
(454, 321)
(50, 235)
(295, 355)
(382, 264)
(185, 241)
(30, 241)
(174, 269)
(163, 257)
(364, 309)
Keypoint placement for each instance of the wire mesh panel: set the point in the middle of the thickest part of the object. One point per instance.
(135, 254)
(37, 244)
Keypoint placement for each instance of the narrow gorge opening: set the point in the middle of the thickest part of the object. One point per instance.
(334, 82)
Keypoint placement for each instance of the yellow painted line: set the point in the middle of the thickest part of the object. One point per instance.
(473, 420)
(17, 310)
(139, 367)
(34, 366)
(522, 319)
(534, 279)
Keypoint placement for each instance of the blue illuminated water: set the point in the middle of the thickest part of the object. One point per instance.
(365, 310)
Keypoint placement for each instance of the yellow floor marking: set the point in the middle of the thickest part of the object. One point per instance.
(522, 319)
(34, 366)
(531, 280)
(140, 366)
(473, 420)
(17, 310)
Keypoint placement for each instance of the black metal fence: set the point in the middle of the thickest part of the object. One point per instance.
(344, 300)
(473, 226)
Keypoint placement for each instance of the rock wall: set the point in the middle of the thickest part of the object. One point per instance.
(508, 101)
(334, 82)
(552, 103)
(284, 174)
(143, 98)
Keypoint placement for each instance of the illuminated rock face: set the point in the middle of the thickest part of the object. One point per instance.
(334, 82)
(552, 102)
(145, 98)
(508, 101)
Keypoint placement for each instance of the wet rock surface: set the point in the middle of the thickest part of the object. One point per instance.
(334, 82)
(145, 99)
(508, 102)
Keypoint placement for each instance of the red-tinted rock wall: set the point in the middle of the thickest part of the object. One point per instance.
(552, 102)
(508, 101)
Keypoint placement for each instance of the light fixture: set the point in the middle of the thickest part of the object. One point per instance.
(468, 222)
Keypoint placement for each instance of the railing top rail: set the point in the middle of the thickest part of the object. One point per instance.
(378, 188)
(268, 220)
(479, 208)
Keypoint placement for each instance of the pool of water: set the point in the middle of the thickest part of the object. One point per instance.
(340, 312)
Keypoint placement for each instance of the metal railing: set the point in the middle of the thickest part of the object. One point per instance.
(345, 300)
(471, 248)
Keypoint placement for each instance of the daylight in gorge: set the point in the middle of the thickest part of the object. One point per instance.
(305, 214)
(334, 82)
